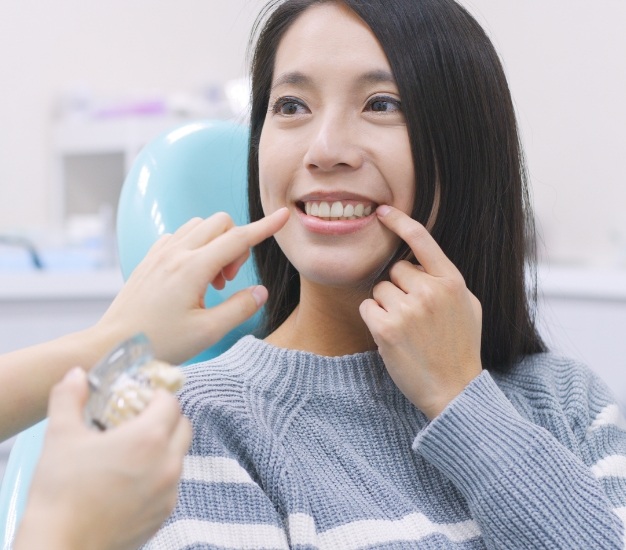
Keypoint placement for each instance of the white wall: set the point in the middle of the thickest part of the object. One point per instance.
(565, 60)
(566, 64)
(114, 47)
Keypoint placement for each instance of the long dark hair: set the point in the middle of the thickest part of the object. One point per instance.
(466, 151)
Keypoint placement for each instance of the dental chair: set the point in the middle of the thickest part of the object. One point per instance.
(194, 170)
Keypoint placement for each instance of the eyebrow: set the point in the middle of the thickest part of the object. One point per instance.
(296, 78)
(377, 77)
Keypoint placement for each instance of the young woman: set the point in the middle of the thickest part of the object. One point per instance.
(401, 396)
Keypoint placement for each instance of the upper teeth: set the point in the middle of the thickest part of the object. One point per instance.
(337, 210)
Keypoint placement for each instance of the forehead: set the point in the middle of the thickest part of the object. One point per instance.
(329, 38)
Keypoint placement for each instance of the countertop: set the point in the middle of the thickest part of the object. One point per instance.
(578, 282)
(59, 285)
(553, 281)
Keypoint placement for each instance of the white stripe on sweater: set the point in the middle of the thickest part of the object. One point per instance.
(214, 469)
(414, 527)
(610, 466)
(350, 536)
(302, 530)
(611, 415)
(243, 536)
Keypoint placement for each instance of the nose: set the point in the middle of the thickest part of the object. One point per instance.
(333, 145)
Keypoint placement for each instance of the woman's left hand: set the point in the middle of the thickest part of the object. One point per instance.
(424, 320)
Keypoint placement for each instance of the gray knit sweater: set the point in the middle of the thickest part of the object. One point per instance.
(294, 450)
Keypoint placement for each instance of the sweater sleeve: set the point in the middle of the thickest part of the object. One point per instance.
(220, 506)
(221, 499)
(524, 487)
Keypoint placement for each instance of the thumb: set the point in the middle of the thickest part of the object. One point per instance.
(236, 309)
(68, 398)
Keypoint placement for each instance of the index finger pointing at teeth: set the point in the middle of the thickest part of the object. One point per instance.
(421, 242)
(235, 242)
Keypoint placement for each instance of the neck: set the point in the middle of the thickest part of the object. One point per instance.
(325, 322)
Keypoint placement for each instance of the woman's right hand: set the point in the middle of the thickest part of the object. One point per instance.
(164, 296)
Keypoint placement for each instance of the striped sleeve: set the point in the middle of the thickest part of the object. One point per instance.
(602, 435)
(524, 487)
(220, 506)
(222, 500)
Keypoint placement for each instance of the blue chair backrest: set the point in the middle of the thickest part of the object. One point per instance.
(193, 170)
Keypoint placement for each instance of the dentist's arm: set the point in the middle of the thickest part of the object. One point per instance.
(163, 298)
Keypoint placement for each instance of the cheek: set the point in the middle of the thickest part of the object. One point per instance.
(399, 170)
(265, 172)
(405, 191)
(278, 164)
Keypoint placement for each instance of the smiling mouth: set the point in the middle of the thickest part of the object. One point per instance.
(337, 210)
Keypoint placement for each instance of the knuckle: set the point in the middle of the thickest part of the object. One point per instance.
(458, 281)
(238, 232)
(172, 263)
(223, 218)
(428, 298)
(388, 330)
(401, 269)
(189, 225)
(416, 233)
(455, 284)
(396, 270)
(378, 290)
(407, 309)
(162, 240)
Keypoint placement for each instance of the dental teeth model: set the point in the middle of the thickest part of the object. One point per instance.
(123, 383)
(130, 395)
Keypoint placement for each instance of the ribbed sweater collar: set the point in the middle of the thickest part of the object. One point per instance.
(267, 364)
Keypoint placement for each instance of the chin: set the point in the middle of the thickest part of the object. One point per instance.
(338, 275)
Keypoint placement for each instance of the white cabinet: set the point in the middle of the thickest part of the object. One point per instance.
(582, 314)
(92, 156)
(39, 306)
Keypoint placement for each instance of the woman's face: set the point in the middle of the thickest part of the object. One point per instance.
(334, 146)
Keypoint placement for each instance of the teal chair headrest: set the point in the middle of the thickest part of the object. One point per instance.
(195, 170)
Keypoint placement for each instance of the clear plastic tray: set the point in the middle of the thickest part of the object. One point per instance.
(117, 368)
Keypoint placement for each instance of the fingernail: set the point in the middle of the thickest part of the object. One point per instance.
(383, 210)
(75, 374)
(259, 293)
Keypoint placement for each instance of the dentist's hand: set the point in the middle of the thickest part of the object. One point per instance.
(103, 490)
(164, 296)
(424, 320)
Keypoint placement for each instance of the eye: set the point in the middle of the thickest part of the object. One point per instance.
(288, 106)
(384, 104)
